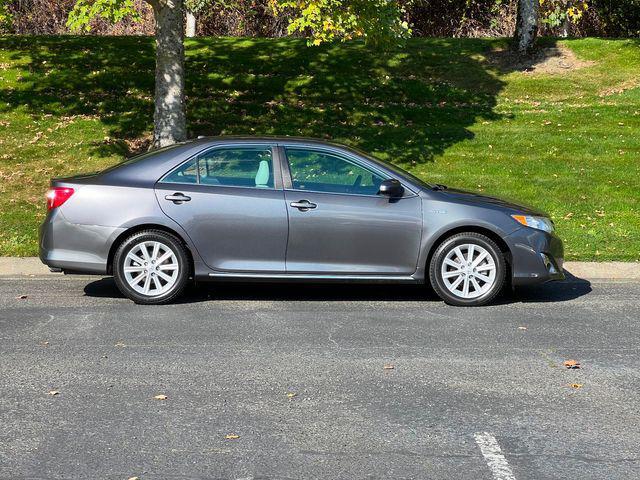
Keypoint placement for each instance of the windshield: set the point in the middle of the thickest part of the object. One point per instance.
(400, 171)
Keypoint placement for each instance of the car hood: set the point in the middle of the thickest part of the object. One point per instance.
(472, 198)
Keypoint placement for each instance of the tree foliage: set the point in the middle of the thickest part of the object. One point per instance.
(556, 12)
(326, 20)
(619, 17)
(377, 21)
(6, 18)
(111, 10)
(255, 18)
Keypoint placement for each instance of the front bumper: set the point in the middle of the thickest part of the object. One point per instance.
(75, 248)
(537, 256)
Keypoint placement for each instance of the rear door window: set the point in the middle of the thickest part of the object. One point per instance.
(250, 167)
(237, 167)
(185, 173)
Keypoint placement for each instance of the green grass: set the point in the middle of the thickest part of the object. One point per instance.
(568, 143)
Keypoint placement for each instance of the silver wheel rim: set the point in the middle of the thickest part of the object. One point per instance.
(468, 271)
(151, 268)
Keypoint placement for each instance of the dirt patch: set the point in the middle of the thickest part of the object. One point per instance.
(551, 61)
(623, 87)
(138, 145)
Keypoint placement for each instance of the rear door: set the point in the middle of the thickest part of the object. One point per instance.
(338, 224)
(230, 202)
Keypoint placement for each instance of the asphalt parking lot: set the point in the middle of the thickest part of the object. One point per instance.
(289, 381)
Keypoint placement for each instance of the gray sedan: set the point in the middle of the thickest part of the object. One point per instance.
(288, 209)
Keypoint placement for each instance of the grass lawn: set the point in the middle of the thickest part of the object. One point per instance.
(568, 142)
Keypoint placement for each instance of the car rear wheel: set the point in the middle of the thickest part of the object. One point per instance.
(151, 267)
(467, 269)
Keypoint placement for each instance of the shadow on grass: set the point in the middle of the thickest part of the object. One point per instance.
(408, 104)
(202, 292)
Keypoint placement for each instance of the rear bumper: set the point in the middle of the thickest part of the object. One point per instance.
(537, 256)
(75, 248)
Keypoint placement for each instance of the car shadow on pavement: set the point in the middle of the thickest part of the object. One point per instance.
(569, 289)
(564, 291)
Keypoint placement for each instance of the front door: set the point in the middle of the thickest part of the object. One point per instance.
(229, 203)
(338, 224)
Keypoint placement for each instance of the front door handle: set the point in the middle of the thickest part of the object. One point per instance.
(303, 205)
(177, 198)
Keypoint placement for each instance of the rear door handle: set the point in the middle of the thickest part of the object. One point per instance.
(177, 198)
(303, 205)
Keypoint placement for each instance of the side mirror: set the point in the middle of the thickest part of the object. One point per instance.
(391, 188)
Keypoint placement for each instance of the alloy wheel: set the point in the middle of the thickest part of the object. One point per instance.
(468, 271)
(151, 268)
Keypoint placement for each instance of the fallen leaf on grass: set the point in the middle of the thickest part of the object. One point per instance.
(232, 436)
(575, 385)
(388, 366)
(53, 393)
(571, 364)
(160, 397)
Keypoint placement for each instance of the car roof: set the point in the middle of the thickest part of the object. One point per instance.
(266, 139)
(155, 164)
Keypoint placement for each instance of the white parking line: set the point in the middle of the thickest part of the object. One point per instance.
(493, 455)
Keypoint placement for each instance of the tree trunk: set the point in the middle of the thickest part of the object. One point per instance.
(191, 24)
(169, 117)
(526, 25)
(564, 28)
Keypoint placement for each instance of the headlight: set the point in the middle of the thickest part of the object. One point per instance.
(541, 223)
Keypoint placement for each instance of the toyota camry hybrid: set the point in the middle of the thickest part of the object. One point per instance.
(288, 209)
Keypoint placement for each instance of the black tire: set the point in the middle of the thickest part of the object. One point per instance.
(470, 238)
(172, 242)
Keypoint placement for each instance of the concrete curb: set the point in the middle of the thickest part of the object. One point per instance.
(16, 266)
(604, 270)
(31, 266)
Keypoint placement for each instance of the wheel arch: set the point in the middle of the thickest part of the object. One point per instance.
(493, 235)
(146, 226)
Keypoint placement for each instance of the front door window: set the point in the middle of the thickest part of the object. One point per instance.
(318, 171)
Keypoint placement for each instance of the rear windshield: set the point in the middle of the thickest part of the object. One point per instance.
(140, 157)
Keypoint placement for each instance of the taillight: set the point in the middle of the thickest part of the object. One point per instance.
(56, 196)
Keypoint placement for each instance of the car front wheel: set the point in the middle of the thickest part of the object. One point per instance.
(467, 269)
(151, 267)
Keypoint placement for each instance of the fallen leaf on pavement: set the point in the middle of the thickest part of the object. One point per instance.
(571, 364)
(576, 385)
(53, 393)
(388, 366)
(232, 436)
(160, 397)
